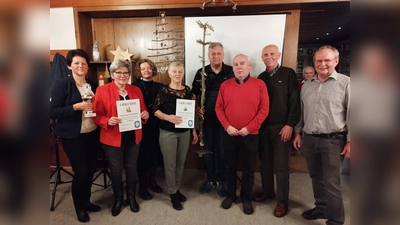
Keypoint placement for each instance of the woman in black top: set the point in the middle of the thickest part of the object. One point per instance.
(149, 154)
(174, 142)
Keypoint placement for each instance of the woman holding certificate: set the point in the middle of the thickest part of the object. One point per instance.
(120, 111)
(174, 138)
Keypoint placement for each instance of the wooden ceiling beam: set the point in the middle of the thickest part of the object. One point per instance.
(158, 4)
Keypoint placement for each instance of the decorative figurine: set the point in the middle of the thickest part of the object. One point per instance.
(96, 53)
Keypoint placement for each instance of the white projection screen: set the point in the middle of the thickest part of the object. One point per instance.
(238, 34)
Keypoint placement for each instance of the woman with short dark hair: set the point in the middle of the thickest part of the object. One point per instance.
(78, 134)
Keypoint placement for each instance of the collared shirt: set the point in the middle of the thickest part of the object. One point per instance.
(244, 80)
(325, 105)
(273, 72)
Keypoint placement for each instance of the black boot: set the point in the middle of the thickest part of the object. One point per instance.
(118, 198)
(143, 192)
(176, 204)
(92, 207)
(82, 215)
(151, 181)
(131, 198)
(181, 197)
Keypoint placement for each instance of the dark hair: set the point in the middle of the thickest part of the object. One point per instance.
(136, 71)
(77, 52)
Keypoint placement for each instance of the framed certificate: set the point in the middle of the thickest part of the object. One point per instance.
(129, 112)
(186, 109)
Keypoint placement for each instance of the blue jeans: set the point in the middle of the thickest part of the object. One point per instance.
(213, 142)
(245, 148)
(324, 165)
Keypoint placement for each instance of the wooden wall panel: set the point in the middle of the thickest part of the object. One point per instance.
(134, 34)
(84, 37)
(103, 30)
(62, 52)
(289, 58)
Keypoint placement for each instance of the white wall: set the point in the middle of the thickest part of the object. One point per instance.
(62, 29)
(238, 34)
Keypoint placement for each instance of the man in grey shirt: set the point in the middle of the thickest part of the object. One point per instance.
(325, 124)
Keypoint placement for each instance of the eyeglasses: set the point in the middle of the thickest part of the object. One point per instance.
(325, 60)
(121, 73)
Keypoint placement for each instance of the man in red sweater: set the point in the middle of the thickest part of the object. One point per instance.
(242, 105)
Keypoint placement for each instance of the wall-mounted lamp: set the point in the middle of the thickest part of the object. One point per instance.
(234, 7)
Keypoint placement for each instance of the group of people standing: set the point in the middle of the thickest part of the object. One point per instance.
(243, 116)
(266, 116)
(137, 151)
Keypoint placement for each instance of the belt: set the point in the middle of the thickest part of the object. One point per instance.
(335, 135)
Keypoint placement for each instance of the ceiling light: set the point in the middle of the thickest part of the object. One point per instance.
(213, 2)
(317, 38)
(339, 28)
(327, 34)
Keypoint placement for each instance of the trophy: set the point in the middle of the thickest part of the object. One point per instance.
(87, 96)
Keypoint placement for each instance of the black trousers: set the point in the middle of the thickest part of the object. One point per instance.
(82, 153)
(274, 153)
(122, 157)
(246, 148)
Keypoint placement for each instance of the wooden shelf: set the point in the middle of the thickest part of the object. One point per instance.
(99, 62)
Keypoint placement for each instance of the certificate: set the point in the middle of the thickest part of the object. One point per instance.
(186, 109)
(129, 112)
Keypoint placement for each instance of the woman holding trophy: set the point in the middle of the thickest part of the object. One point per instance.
(70, 107)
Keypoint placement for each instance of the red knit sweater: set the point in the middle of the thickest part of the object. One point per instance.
(242, 105)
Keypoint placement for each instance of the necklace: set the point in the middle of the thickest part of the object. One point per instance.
(78, 83)
(151, 100)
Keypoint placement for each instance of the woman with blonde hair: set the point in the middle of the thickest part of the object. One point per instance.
(174, 142)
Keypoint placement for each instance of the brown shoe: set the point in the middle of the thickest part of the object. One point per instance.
(262, 197)
(281, 210)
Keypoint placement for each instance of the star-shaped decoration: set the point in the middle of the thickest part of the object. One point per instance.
(127, 55)
(119, 54)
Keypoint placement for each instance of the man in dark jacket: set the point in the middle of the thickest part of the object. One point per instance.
(276, 131)
(217, 72)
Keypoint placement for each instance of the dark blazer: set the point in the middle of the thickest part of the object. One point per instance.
(63, 95)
